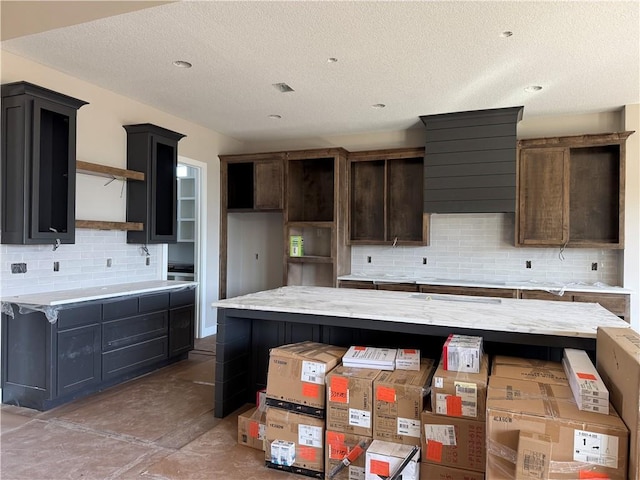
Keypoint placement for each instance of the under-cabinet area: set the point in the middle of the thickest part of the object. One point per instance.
(52, 354)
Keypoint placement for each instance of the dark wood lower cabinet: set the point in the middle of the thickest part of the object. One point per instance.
(92, 346)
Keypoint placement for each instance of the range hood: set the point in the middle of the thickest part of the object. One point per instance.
(470, 161)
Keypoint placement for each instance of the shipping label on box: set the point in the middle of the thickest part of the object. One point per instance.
(542, 371)
(383, 458)
(453, 442)
(618, 362)
(460, 394)
(294, 442)
(340, 446)
(296, 376)
(350, 400)
(251, 428)
(400, 396)
(462, 353)
(533, 457)
(408, 359)
(583, 444)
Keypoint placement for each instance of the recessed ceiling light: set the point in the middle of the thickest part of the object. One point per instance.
(378, 105)
(506, 34)
(332, 60)
(533, 88)
(182, 64)
(275, 117)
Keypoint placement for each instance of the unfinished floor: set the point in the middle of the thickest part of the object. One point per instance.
(160, 426)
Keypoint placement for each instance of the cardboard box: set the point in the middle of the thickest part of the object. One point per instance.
(383, 458)
(429, 471)
(296, 246)
(370, 357)
(338, 445)
(542, 371)
(618, 361)
(294, 442)
(460, 394)
(350, 400)
(588, 389)
(453, 442)
(400, 396)
(251, 428)
(582, 443)
(408, 359)
(462, 353)
(296, 376)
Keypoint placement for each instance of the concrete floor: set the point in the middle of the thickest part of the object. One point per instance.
(160, 426)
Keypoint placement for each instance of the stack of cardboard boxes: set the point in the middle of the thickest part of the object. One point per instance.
(453, 431)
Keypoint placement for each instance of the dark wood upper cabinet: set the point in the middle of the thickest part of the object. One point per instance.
(386, 197)
(252, 182)
(152, 150)
(571, 191)
(38, 165)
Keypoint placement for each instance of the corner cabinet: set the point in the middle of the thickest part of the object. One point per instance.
(152, 150)
(316, 215)
(571, 191)
(386, 198)
(38, 165)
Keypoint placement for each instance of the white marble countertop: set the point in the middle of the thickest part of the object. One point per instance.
(538, 317)
(64, 297)
(523, 285)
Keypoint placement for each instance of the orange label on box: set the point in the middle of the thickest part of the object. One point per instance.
(337, 451)
(338, 390)
(360, 348)
(310, 390)
(587, 376)
(307, 453)
(386, 394)
(434, 451)
(454, 406)
(254, 429)
(410, 351)
(378, 467)
(334, 438)
(584, 475)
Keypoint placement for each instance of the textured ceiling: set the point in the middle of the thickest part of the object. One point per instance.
(418, 58)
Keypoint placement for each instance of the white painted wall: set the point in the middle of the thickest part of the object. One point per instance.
(101, 139)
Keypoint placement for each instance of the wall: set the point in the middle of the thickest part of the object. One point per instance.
(632, 212)
(101, 139)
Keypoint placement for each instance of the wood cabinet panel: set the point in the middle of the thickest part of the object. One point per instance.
(542, 295)
(615, 303)
(268, 185)
(367, 200)
(405, 192)
(397, 287)
(474, 291)
(363, 285)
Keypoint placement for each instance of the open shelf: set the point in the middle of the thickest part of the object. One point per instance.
(108, 172)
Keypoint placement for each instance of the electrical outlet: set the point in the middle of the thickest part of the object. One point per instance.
(18, 268)
(148, 261)
(528, 264)
(368, 259)
(424, 260)
(594, 266)
(109, 262)
(56, 266)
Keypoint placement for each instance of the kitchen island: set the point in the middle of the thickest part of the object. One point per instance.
(249, 325)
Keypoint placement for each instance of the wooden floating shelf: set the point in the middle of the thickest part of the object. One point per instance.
(109, 172)
(102, 225)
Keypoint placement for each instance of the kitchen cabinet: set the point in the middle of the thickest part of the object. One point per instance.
(474, 291)
(386, 198)
(92, 345)
(152, 150)
(252, 182)
(571, 191)
(616, 303)
(316, 211)
(38, 165)
(379, 285)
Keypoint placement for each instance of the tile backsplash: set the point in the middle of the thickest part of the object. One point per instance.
(83, 264)
(481, 247)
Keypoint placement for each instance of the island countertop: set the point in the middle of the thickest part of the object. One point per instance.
(76, 295)
(536, 317)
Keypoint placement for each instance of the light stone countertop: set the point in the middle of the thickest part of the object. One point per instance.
(523, 285)
(65, 297)
(538, 317)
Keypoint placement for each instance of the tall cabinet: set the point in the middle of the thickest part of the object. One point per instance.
(38, 165)
(316, 213)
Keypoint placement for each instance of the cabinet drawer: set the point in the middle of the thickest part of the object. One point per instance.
(127, 331)
(119, 308)
(153, 303)
(617, 304)
(398, 287)
(542, 295)
(81, 315)
(357, 284)
(183, 298)
(134, 357)
(473, 291)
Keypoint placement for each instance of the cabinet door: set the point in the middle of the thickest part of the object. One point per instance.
(181, 330)
(405, 193)
(544, 197)
(163, 212)
(268, 181)
(367, 202)
(79, 358)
